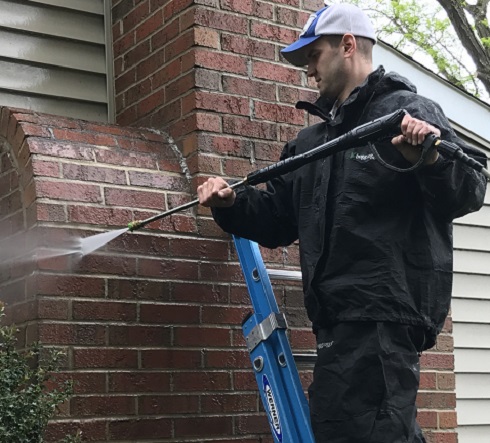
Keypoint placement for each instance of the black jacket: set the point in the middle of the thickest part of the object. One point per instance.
(375, 245)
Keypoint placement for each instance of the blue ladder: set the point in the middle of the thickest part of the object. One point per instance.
(272, 359)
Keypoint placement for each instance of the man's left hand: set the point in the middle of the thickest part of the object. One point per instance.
(413, 134)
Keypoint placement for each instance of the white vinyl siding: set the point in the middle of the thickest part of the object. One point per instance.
(54, 57)
(471, 321)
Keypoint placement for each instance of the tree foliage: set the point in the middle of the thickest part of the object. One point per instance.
(451, 37)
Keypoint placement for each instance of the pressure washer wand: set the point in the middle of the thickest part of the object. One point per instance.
(134, 225)
(371, 131)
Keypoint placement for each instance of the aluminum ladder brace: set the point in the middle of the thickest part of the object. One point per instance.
(270, 352)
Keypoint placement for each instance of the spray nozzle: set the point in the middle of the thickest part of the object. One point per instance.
(136, 224)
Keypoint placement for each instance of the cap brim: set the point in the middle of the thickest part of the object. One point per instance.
(296, 52)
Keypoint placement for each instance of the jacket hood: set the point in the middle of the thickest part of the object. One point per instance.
(377, 83)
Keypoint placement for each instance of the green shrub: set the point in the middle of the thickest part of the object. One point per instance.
(29, 392)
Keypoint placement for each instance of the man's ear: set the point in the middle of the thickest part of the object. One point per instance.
(349, 44)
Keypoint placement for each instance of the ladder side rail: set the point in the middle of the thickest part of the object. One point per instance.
(272, 359)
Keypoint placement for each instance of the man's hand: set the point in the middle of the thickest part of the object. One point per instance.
(413, 134)
(215, 193)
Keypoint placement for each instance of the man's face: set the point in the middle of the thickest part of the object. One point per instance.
(326, 66)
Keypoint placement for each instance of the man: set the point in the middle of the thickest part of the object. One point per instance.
(375, 244)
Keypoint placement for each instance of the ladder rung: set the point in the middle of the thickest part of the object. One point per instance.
(282, 274)
(305, 359)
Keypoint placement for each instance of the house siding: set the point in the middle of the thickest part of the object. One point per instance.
(53, 57)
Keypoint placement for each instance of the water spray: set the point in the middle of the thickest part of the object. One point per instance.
(383, 127)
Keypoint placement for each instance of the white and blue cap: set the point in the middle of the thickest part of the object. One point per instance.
(338, 19)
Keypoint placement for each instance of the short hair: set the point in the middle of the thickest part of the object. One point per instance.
(364, 45)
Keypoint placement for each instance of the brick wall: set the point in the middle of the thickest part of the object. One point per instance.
(151, 322)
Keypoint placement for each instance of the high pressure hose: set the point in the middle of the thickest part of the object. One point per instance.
(370, 132)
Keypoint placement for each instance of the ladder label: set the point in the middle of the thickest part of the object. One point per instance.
(273, 411)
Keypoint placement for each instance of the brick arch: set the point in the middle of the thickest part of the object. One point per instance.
(17, 206)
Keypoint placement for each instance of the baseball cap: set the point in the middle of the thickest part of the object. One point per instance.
(338, 19)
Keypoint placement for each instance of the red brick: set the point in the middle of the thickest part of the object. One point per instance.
(149, 26)
(105, 358)
(204, 164)
(169, 314)
(108, 264)
(175, 7)
(124, 159)
(158, 181)
(244, 6)
(276, 72)
(50, 212)
(206, 79)
(246, 46)
(84, 137)
(446, 381)
(70, 286)
(103, 406)
(169, 269)
(441, 437)
(84, 382)
(92, 430)
(66, 334)
(202, 381)
(199, 292)
(134, 199)
(123, 44)
(73, 171)
(52, 309)
(210, 18)
(447, 419)
(278, 113)
(244, 381)
(168, 32)
(230, 403)
(206, 37)
(168, 404)
(170, 359)
(427, 419)
(218, 315)
(149, 103)
(60, 190)
(223, 103)
(220, 61)
(437, 361)
(202, 337)
(203, 427)
(136, 16)
(179, 45)
(244, 127)
(116, 311)
(249, 88)
(139, 382)
(137, 290)
(274, 33)
(145, 336)
(127, 79)
(219, 272)
(198, 248)
(436, 400)
(98, 216)
(252, 424)
(141, 428)
(233, 359)
(46, 168)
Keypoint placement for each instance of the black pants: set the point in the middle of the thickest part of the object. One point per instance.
(365, 384)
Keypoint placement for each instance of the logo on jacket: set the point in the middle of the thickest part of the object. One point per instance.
(362, 157)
